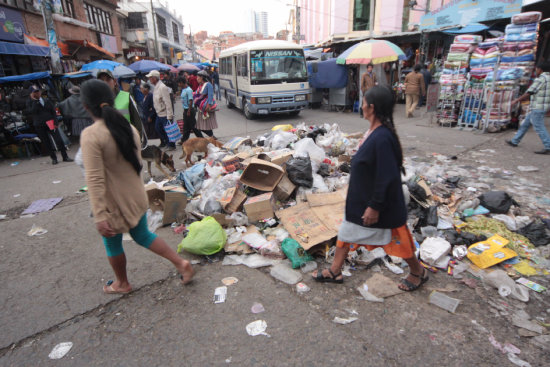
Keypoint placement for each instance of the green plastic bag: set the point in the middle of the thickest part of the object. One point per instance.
(204, 238)
(295, 253)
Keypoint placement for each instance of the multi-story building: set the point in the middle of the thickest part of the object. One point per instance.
(141, 41)
(86, 30)
(261, 23)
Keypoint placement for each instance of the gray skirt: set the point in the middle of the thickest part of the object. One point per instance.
(354, 233)
(206, 124)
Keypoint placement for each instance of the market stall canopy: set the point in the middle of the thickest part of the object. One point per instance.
(470, 28)
(63, 47)
(327, 74)
(89, 44)
(188, 67)
(9, 48)
(123, 71)
(145, 66)
(77, 74)
(371, 51)
(24, 77)
(100, 64)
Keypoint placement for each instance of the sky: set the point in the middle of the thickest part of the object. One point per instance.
(215, 16)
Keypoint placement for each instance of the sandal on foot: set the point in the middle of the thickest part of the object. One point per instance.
(183, 281)
(323, 279)
(108, 289)
(412, 287)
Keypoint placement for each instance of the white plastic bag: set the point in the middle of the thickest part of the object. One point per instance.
(307, 147)
(433, 249)
(154, 220)
(319, 184)
(281, 139)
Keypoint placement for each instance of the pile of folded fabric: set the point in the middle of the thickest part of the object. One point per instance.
(484, 58)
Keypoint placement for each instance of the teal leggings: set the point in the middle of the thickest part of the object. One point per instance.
(140, 233)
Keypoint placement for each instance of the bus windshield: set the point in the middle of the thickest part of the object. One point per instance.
(277, 66)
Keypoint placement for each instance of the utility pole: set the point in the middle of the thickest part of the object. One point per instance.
(46, 6)
(298, 31)
(155, 31)
(371, 18)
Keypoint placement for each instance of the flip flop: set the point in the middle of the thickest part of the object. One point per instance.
(323, 279)
(108, 289)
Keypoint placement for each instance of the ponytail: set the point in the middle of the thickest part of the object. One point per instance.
(98, 97)
(121, 130)
(388, 122)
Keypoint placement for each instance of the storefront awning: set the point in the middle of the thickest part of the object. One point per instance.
(470, 28)
(21, 78)
(30, 40)
(89, 44)
(22, 49)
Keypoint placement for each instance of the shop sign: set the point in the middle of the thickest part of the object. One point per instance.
(464, 12)
(11, 25)
(132, 52)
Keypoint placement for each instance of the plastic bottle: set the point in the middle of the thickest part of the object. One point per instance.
(505, 285)
(308, 266)
(285, 274)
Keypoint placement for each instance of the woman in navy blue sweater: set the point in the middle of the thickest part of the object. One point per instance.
(376, 214)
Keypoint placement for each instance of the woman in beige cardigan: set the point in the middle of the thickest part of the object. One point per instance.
(112, 162)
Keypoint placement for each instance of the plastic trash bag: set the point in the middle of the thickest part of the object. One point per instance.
(497, 201)
(281, 139)
(299, 171)
(238, 219)
(154, 220)
(295, 253)
(318, 184)
(307, 147)
(536, 232)
(324, 170)
(206, 237)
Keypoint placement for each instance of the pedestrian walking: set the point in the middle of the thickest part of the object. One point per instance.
(369, 79)
(112, 160)
(138, 94)
(376, 213)
(163, 106)
(414, 89)
(427, 80)
(204, 102)
(149, 113)
(192, 81)
(216, 81)
(44, 118)
(539, 93)
(189, 120)
(74, 113)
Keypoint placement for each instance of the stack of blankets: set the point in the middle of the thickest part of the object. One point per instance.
(484, 58)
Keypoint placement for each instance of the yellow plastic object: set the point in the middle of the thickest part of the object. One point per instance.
(524, 268)
(487, 253)
(286, 127)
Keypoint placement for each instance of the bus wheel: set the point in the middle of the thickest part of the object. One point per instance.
(249, 115)
(228, 102)
(294, 113)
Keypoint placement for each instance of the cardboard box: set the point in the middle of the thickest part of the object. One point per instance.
(315, 221)
(284, 188)
(259, 207)
(170, 199)
(344, 158)
(231, 163)
(262, 175)
(279, 157)
(232, 200)
(236, 142)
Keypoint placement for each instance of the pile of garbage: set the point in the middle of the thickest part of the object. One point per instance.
(279, 199)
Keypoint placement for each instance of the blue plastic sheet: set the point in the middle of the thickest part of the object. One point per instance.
(21, 78)
(327, 74)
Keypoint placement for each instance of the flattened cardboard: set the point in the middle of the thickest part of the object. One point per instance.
(382, 286)
(328, 198)
(284, 188)
(262, 175)
(173, 203)
(259, 207)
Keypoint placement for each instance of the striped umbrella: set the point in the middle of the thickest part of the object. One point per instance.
(371, 51)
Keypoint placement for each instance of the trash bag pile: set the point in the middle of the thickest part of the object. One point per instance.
(281, 195)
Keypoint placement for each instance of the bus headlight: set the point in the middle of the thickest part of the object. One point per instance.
(264, 100)
(300, 98)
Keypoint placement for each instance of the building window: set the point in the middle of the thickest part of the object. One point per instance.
(68, 8)
(21, 4)
(161, 26)
(361, 12)
(136, 21)
(175, 32)
(99, 17)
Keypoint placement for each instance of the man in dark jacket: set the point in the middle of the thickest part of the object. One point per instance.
(427, 80)
(42, 112)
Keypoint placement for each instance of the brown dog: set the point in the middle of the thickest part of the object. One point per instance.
(154, 154)
(197, 145)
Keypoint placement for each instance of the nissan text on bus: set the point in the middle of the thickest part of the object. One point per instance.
(264, 77)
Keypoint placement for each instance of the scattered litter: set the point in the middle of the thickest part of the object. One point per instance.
(392, 267)
(302, 288)
(56, 182)
(3, 216)
(252, 261)
(342, 321)
(528, 168)
(381, 286)
(443, 301)
(83, 189)
(36, 231)
(531, 285)
(309, 266)
(205, 237)
(220, 294)
(27, 216)
(505, 285)
(16, 195)
(517, 361)
(60, 350)
(285, 274)
(257, 308)
(13, 164)
(257, 327)
(42, 205)
(229, 280)
(364, 291)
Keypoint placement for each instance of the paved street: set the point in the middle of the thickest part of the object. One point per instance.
(52, 284)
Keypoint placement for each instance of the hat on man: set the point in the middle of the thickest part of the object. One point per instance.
(34, 88)
(203, 73)
(75, 89)
(153, 73)
(103, 72)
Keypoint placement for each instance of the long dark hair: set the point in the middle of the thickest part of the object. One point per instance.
(98, 97)
(383, 100)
